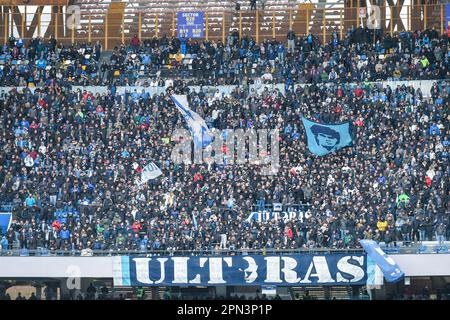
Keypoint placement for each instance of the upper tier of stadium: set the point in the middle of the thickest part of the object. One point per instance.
(112, 22)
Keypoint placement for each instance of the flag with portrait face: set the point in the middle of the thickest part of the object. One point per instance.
(325, 138)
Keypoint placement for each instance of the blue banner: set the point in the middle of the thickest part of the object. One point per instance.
(325, 138)
(447, 19)
(282, 270)
(5, 221)
(190, 24)
(388, 266)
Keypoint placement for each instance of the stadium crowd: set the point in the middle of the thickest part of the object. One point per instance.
(70, 158)
(360, 56)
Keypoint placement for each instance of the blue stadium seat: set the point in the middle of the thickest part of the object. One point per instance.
(391, 249)
(443, 248)
(42, 251)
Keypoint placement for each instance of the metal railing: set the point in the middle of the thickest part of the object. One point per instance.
(413, 248)
(166, 252)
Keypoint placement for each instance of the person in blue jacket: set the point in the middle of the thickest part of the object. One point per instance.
(64, 234)
(41, 63)
(434, 130)
(280, 50)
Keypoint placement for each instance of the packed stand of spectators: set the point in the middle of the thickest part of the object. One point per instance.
(360, 56)
(69, 163)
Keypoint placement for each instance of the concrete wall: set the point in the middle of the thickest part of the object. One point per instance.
(423, 265)
(56, 267)
(424, 85)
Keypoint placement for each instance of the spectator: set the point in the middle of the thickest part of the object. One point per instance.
(135, 43)
(91, 291)
(33, 297)
(20, 297)
(291, 40)
(77, 189)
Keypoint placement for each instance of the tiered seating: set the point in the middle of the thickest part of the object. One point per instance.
(156, 18)
(97, 10)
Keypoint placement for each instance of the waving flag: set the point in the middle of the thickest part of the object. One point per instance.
(326, 138)
(194, 220)
(5, 221)
(197, 126)
(150, 171)
(388, 266)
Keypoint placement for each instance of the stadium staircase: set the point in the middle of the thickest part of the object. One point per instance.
(434, 12)
(304, 14)
(116, 13)
(97, 11)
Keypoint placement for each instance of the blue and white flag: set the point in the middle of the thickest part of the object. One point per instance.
(326, 138)
(374, 274)
(197, 126)
(5, 221)
(388, 266)
(150, 171)
(194, 220)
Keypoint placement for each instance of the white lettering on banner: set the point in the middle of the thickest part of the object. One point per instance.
(216, 270)
(322, 271)
(290, 270)
(290, 275)
(292, 215)
(180, 269)
(273, 269)
(143, 270)
(356, 271)
(276, 215)
(252, 268)
(197, 278)
(162, 261)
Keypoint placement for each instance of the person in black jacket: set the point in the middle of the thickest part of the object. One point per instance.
(91, 290)
(416, 224)
(291, 40)
(405, 230)
(428, 226)
(33, 297)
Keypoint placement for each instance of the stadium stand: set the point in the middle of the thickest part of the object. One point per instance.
(68, 154)
(80, 121)
(409, 56)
